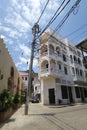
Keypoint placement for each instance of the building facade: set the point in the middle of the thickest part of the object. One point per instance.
(9, 75)
(61, 71)
(37, 87)
(24, 76)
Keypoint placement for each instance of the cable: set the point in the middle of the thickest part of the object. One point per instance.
(66, 16)
(55, 16)
(79, 35)
(75, 30)
(42, 11)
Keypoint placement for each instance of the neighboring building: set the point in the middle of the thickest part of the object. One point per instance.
(9, 75)
(37, 87)
(24, 76)
(83, 47)
(61, 71)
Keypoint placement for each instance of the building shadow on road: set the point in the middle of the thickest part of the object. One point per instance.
(7, 121)
(42, 114)
(65, 105)
(60, 106)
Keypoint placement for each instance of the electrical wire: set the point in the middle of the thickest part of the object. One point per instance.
(82, 33)
(68, 35)
(66, 16)
(43, 11)
(55, 16)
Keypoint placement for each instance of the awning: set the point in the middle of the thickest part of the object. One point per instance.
(82, 45)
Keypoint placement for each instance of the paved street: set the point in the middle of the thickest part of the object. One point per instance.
(48, 118)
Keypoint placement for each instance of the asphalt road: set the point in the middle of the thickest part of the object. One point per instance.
(48, 118)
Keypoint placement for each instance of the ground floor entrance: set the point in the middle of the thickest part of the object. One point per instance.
(70, 94)
(51, 96)
(82, 94)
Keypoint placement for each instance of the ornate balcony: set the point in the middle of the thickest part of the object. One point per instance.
(51, 72)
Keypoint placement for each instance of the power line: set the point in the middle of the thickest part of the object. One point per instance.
(42, 11)
(55, 15)
(75, 30)
(82, 33)
(66, 16)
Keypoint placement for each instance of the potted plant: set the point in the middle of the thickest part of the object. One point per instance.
(6, 100)
(17, 101)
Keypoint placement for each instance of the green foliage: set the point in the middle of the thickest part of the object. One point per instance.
(17, 98)
(6, 100)
(86, 75)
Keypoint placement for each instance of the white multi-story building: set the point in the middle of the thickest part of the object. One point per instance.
(24, 75)
(61, 71)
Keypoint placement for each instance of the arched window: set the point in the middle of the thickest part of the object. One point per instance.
(59, 65)
(75, 59)
(81, 73)
(79, 61)
(64, 57)
(65, 70)
(12, 72)
(44, 64)
(71, 58)
(51, 47)
(58, 50)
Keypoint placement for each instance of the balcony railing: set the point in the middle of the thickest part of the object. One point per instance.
(52, 72)
(52, 55)
(44, 54)
(78, 77)
(64, 81)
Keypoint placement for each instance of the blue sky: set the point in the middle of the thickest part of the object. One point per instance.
(17, 18)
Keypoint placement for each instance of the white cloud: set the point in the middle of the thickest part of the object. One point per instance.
(2, 36)
(18, 63)
(35, 62)
(12, 33)
(20, 18)
(53, 5)
(25, 50)
(23, 60)
(18, 22)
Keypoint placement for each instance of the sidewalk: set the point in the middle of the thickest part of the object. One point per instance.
(32, 121)
(48, 118)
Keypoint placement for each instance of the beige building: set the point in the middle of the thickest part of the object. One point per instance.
(9, 75)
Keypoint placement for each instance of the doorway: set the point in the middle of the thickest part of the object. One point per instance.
(70, 94)
(51, 96)
(82, 94)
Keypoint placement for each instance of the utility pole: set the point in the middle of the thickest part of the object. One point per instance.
(35, 31)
